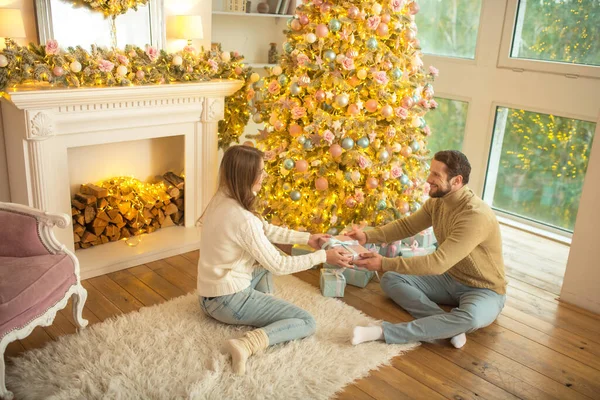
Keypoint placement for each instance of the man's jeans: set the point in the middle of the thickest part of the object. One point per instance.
(419, 294)
(281, 320)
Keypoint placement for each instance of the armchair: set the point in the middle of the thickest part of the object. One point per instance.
(38, 275)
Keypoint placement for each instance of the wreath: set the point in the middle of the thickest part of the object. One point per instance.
(114, 7)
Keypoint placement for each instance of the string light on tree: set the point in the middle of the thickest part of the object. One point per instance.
(344, 116)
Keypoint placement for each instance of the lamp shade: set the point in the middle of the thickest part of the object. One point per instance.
(11, 23)
(185, 27)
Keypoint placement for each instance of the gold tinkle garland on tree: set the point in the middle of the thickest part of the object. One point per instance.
(75, 67)
(114, 7)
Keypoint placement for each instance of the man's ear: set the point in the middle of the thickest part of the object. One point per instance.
(458, 180)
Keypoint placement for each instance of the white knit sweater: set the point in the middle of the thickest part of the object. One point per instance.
(235, 241)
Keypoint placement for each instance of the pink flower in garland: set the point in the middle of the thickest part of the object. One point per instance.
(52, 47)
(373, 22)
(122, 59)
(348, 64)
(359, 195)
(363, 162)
(274, 87)
(433, 103)
(380, 77)
(401, 112)
(152, 52)
(298, 112)
(427, 130)
(213, 65)
(397, 5)
(189, 49)
(302, 59)
(396, 172)
(434, 71)
(105, 66)
(328, 136)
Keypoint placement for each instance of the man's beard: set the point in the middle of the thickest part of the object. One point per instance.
(440, 192)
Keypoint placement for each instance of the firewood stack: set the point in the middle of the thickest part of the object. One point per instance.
(123, 207)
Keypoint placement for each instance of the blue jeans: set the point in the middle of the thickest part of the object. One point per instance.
(280, 320)
(418, 295)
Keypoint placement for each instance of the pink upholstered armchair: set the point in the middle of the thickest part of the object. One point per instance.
(38, 275)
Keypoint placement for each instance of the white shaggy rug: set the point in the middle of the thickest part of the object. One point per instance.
(170, 351)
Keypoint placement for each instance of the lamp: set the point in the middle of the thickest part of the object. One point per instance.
(11, 24)
(185, 27)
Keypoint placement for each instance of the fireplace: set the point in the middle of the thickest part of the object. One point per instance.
(57, 139)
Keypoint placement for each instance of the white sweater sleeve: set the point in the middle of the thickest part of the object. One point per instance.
(252, 238)
(279, 235)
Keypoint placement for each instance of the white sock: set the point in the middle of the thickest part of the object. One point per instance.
(362, 334)
(239, 354)
(459, 341)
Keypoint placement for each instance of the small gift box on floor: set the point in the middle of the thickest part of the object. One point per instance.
(358, 276)
(414, 251)
(347, 244)
(425, 238)
(332, 282)
(390, 250)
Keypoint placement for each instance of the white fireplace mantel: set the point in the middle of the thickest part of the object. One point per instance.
(41, 125)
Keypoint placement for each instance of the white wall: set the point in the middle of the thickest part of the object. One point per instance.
(582, 278)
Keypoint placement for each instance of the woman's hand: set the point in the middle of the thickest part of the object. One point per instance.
(339, 257)
(357, 234)
(316, 241)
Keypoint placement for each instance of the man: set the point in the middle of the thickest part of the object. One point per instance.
(466, 271)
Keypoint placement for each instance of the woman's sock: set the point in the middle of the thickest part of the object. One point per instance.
(459, 341)
(241, 349)
(362, 334)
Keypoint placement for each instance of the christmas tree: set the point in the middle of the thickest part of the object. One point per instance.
(345, 134)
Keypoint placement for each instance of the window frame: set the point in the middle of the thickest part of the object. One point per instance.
(510, 218)
(520, 64)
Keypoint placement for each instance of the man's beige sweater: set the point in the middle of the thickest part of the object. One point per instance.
(468, 234)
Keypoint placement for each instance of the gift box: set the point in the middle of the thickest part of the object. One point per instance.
(425, 238)
(346, 243)
(332, 282)
(417, 251)
(391, 250)
(358, 276)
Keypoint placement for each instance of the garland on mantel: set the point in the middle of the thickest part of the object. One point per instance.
(114, 7)
(75, 67)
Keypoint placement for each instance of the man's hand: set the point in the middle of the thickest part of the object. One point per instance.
(357, 234)
(316, 241)
(338, 257)
(370, 261)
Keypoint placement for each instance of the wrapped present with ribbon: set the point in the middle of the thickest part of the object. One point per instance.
(346, 243)
(358, 277)
(390, 250)
(425, 238)
(332, 282)
(415, 250)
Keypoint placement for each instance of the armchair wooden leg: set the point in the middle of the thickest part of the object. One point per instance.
(79, 298)
(5, 394)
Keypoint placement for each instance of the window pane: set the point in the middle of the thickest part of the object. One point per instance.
(537, 165)
(447, 124)
(449, 28)
(558, 30)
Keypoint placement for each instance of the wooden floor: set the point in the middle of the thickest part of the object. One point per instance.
(538, 348)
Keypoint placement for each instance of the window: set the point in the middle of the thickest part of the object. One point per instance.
(447, 123)
(449, 28)
(560, 36)
(537, 166)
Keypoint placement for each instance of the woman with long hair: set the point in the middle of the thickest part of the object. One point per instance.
(238, 258)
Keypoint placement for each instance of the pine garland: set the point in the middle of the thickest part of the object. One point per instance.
(75, 67)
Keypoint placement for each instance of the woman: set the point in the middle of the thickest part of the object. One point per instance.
(237, 258)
